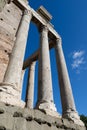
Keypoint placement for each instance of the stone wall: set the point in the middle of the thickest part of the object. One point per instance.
(16, 118)
(9, 21)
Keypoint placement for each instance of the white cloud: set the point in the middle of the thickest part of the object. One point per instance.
(78, 59)
(78, 54)
(77, 62)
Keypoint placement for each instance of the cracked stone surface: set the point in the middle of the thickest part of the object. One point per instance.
(16, 118)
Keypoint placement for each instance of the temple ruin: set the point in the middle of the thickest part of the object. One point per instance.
(15, 18)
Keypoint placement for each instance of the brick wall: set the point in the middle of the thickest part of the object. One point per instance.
(9, 21)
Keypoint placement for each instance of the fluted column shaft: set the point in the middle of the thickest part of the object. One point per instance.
(45, 92)
(30, 86)
(68, 104)
(13, 73)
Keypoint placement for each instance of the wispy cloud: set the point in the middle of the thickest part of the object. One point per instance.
(78, 59)
(77, 62)
(78, 54)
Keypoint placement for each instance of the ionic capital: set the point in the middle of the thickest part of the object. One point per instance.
(27, 14)
(43, 28)
(58, 41)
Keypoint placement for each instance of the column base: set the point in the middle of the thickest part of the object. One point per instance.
(73, 115)
(9, 95)
(48, 108)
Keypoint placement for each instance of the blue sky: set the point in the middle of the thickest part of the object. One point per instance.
(70, 21)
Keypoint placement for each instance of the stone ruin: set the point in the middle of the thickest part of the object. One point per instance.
(15, 114)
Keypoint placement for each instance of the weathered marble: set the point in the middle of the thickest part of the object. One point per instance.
(30, 86)
(21, 82)
(13, 73)
(44, 13)
(45, 92)
(67, 100)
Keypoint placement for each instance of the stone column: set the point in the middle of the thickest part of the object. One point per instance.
(13, 73)
(68, 105)
(30, 86)
(21, 82)
(45, 92)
